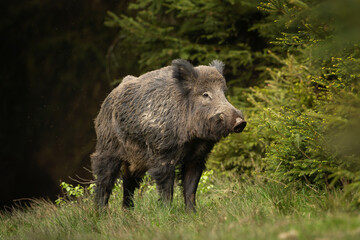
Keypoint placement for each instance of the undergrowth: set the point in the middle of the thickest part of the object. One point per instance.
(227, 209)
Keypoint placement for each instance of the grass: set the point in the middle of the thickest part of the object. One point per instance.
(229, 210)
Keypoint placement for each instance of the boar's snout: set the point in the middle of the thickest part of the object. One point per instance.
(239, 126)
(239, 123)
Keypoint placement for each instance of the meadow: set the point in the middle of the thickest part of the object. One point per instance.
(227, 208)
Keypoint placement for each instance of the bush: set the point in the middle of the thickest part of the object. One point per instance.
(304, 120)
(156, 32)
(293, 68)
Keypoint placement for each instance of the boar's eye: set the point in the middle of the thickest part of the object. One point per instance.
(206, 95)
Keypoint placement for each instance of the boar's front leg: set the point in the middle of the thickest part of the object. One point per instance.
(191, 173)
(164, 176)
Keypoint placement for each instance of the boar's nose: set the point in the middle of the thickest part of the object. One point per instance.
(239, 125)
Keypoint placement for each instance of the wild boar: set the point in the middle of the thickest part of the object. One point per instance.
(165, 119)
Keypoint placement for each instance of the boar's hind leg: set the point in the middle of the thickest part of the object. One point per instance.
(106, 169)
(164, 177)
(130, 183)
(191, 173)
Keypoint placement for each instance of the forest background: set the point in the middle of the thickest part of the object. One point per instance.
(291, 66)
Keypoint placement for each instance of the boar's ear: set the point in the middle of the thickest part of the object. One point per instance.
(184, 72)
(219, 65)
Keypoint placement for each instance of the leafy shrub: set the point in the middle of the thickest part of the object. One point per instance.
(297, 150)
(194, 30)
(72, 193)
(85, 193)
(303, 122)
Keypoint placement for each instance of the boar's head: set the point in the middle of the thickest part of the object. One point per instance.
(210, 115)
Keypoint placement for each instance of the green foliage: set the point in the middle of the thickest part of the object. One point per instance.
(311, 103)
(205, 183)
(304, 120)
(297, 150)
(199, 31)
(72, 193)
